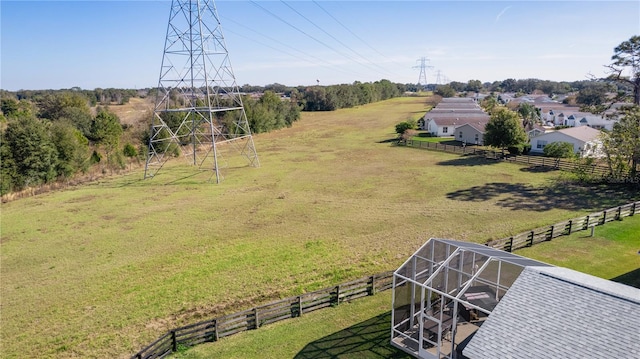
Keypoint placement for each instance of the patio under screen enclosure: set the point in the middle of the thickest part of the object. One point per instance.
(443, 293)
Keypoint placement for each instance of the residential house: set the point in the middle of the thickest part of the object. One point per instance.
(471, 133)
(451, 113)
(462, 300)
(585, 140)
(536, 131)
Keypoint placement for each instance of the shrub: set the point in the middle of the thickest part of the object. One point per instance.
(516, 149)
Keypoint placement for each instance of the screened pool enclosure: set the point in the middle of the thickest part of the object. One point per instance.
(445, 291)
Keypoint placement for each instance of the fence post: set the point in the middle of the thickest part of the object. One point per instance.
(337, 295)
(550, 234)
(215, 330)
(373, 285)
(604, 216)
(509, 246)
(568, 229)
(255, 315)
(300, 305)
(174, 343)
(618, 214)
(531, 235)
(633, 209)
(586, 224)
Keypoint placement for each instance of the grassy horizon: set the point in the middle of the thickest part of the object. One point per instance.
(102, 269)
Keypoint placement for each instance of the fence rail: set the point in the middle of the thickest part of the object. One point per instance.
(214, 329)
(539, 161)
(538, 235)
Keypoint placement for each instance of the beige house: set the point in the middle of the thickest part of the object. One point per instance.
(586, 140)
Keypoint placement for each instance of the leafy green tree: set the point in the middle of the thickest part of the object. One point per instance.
(81, 119)
(489, 103)
(529, 115)
(504, 129)
(622, 145)
(31, 150)
(72, 148)
(592, 95)
(9, 106)
(457, 86)
(474, 86)
(445, 91)
(106, 131)
(626, 57)
(509, 85)
(9, 176)
(53, 105)
(129, 150)
(404, 126)
(559, 150)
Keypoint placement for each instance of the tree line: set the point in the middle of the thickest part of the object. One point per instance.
(52, 135)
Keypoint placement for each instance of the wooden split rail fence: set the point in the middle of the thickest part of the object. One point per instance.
(540, 161)
(214, 329)
(527, 239)
(292, 307)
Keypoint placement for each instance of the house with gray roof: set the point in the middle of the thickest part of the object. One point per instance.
(451, 113)
(553, 312)
(454, 299)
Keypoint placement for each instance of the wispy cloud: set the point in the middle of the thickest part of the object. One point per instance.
(502, 12)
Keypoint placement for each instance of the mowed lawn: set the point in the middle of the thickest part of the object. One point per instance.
(101, 270)
(613, 252)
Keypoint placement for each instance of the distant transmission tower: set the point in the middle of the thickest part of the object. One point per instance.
(198, 110)
(422, 78)
(438, 79)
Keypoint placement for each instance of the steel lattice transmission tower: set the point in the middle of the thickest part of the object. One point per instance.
(422, 78)
(198, 110)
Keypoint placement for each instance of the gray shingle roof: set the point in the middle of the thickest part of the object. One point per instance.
(554, 312)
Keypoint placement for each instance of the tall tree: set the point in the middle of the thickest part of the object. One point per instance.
(529, 115)
(504, 129)
(622, 144)
(72, 148)
(106, 131)
(31, 150)
(626, 57)
(489, 103)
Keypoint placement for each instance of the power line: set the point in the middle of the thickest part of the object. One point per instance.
(353, 33)
(334, 38)
(328, 64)
(294, 27)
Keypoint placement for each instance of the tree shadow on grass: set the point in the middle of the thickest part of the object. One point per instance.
(521, 196)
(538, 169)
(368, 339)
(468, 161)
(630, 278)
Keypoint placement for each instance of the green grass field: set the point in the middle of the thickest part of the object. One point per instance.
(101, 270)
(362, 328)
(612, 253)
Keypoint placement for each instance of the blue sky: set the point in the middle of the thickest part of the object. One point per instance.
(61, 44)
